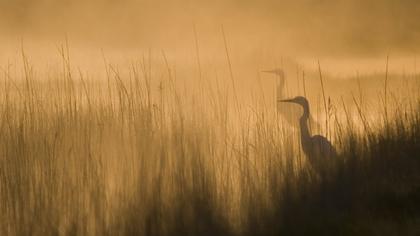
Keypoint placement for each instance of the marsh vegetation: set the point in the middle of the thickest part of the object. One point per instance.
(137, 152)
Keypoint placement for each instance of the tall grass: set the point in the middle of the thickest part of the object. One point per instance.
(84, 157)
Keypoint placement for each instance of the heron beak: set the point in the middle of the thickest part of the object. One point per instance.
(285, 100)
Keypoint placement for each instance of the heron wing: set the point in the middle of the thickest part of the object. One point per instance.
(322, 147)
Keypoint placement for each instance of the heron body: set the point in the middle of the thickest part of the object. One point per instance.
(317, 148)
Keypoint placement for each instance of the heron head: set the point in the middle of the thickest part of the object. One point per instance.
(298, 100)
(279, 72)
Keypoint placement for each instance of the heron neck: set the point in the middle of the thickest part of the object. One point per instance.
(304, 130)
(280, 87)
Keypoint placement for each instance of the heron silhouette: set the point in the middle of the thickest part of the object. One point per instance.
(318, 149)
(280, 81)
(288, 112)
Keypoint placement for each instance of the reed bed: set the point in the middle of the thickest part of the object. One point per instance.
(131, 154)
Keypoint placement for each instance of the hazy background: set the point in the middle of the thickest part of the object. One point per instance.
(342, 31)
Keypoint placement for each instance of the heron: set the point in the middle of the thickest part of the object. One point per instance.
(280, 81)
(318, 149)
(289, 113)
